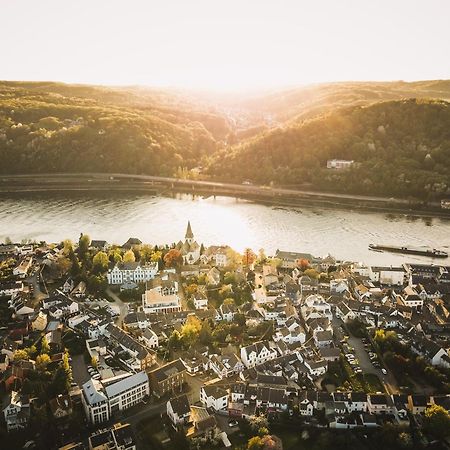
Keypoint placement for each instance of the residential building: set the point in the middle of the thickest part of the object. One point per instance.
(168, 378)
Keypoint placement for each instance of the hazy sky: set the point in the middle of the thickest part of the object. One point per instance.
(229, 44)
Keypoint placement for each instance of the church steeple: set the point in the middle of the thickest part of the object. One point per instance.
(189, 234)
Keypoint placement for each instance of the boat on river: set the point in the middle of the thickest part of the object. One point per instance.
(422, 251)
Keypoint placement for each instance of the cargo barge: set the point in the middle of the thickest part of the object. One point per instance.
(431, 252)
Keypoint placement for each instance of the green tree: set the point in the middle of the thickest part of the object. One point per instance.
(45, 347)
(100, 262)
(255, 443)
(83, 245)
(20, 355)
(129, 256)
(42, 361)
(437, 421)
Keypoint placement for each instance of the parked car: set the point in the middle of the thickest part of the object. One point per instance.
(384, 371)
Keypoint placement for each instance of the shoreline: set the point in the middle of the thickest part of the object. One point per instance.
(34, 184)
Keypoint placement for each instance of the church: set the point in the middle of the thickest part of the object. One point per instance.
(190, 250)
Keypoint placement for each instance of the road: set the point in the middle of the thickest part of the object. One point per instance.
(115, 178)
(123, 307)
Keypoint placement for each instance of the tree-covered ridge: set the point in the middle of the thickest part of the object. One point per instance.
(399, 147)
(47, 131)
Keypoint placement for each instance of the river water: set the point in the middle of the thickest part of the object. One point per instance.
(115, 217)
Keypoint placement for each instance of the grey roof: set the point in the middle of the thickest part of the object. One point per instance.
(126, 384)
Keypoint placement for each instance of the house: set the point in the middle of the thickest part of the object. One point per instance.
(156, 300)
(132, 272)
(344, 312)
(16, 411)
(61, 406)
(417, 404)
(200, 300)
(22, 269)
(213, 277)
(139, 356)
(356, 401)
(329, 353)
(203, 423)
(79, 291)
(190, 250)
(10, 288)
(339, 164)
(4, 362)
(227, 311)
(39, 323)
(168, 378)
(226, 365)
(290, 260)
(99, 245)
(380, 404)
(315, 306)
(218, 255)
(178, 410)
(149, 338)
(257, 353)
(338, 286)
(214, 397)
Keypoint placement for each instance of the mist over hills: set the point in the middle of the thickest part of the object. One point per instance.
(397, 133)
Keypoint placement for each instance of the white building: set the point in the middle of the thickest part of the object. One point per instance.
(190, 249)
(315, 307)
(17, 411)
(132, 272)
(257, 353)
(339, 164)
(389, 276)
(214, 397)
(102, 399)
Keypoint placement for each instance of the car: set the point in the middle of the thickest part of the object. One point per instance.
(96, 376)
(233, 423)
(384, 371)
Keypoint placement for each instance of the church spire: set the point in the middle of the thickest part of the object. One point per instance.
(189, 233)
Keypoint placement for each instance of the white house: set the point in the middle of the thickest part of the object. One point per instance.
(226, 365)
(257, 353)
(16, 411)
(178, 410)
(315, 307)
(200, 300)
(214, 397)
(149, 338)
(132, 272)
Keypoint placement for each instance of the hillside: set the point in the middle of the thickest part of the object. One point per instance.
(55, 127)
(400, 145)
(400, 148)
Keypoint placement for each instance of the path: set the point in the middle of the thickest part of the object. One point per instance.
(123, 307)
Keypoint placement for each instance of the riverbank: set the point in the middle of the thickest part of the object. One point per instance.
(168, 186)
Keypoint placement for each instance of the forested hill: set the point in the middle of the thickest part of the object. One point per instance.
(400, 148)
(400, 145)
(47, 127)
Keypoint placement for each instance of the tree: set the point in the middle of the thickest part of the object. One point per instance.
(234, 259)
(173, 258)
(20, 355)
(83, 245)
(156, 256)
(248, 258)
(437, 421)
(94, 362)
(174, 340)
(45, 348)
(100, 262)
(63, 265)
(312, 273)
(255, 443)
(67, 246)
(190, 330)
(146, 252)
(261, 256)
(205, 334)
(129, 256)
(303, 264)
(42, 361)
(115, 254)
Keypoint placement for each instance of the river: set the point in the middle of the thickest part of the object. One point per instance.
(115, 217)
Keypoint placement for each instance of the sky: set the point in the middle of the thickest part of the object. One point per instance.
(224, 45)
